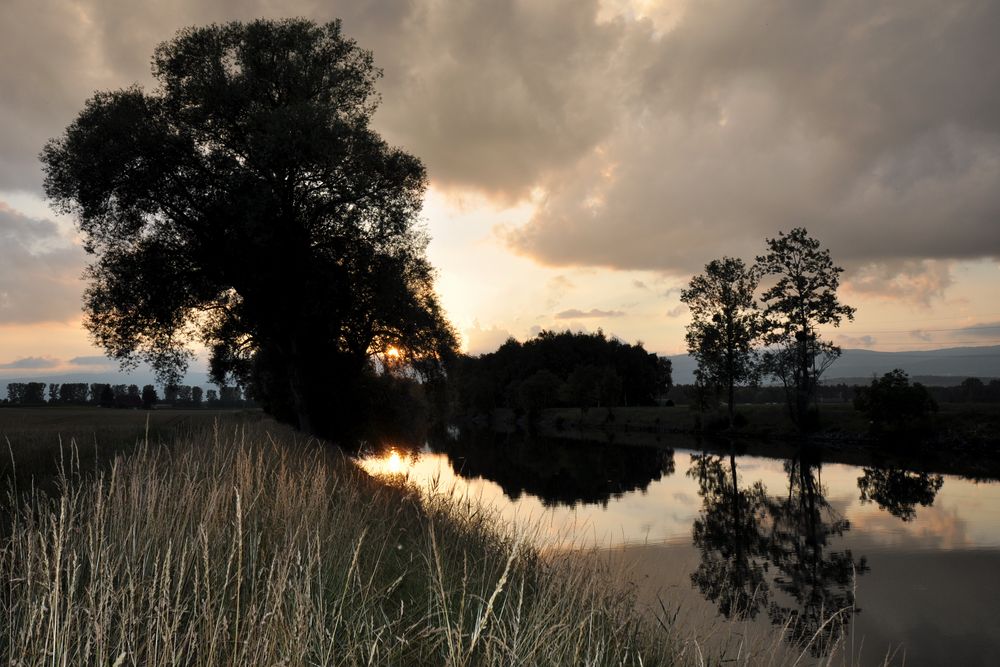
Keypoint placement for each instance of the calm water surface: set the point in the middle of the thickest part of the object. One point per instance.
(911, 559)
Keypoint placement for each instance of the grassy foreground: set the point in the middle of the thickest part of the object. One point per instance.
(243, 545)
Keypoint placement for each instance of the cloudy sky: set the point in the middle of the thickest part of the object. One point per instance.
(588, 156)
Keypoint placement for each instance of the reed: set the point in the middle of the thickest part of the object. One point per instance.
(247, 545)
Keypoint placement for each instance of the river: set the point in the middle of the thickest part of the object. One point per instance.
(886, 559)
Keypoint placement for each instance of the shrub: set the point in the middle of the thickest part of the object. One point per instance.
(892, 403)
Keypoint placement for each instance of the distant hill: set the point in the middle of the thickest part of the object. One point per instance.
(945, 367)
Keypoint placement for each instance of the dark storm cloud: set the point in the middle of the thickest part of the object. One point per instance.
(492, 95)
(875, 126)
(39, 271)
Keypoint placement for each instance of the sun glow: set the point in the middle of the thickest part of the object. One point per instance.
(393, 353)
(392, 463)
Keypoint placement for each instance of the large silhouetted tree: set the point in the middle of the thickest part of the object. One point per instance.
(724, 325)
(803, 297)
(247, 203)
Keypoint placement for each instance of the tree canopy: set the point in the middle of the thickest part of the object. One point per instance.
(724, 325)
(802, 297)
(560, 368)
(247, 204)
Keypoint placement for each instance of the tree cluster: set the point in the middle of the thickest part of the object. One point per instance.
(749, 320)
(26, 393)
(560, 369)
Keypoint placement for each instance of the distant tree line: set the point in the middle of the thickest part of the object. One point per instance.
(559, 369)
(970, 390)
(758, 394)
(121, 395)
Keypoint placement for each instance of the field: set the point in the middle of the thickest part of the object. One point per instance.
(37, 442)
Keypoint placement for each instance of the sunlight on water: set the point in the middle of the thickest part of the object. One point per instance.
(392, 463)
(904, 550)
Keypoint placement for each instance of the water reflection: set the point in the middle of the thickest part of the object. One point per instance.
(557, 471)
(751, 542)
(730, 537)
(818, 578)
(899, 491)
(755, 537)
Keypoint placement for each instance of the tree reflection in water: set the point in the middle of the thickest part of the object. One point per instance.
(817, 578)
(776, 553)
(743, 535)
(899, 491)
(555, 470)
(728, 534)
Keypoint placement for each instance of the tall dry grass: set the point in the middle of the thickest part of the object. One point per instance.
(238, 546)
(244, 544)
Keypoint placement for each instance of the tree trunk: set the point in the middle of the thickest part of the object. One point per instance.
(732, 402)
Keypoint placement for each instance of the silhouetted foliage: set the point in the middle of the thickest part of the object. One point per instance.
(231, 397)
(541, 390)
(73, 393)
(107, 397)
(729, 533)
(893, 404)
(247, 203)
(589, 386)
(818, 578)
(590, 369)
(752, 543)
(26, 393)
(970, 390)
(557, 471)
(803, 297)
(724, 326)
(149, 397)
(899, 491)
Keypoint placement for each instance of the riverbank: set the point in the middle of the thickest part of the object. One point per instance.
(245, 544)
(965, 439)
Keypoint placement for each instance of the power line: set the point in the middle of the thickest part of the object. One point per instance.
(966, 316)
(939, 344)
